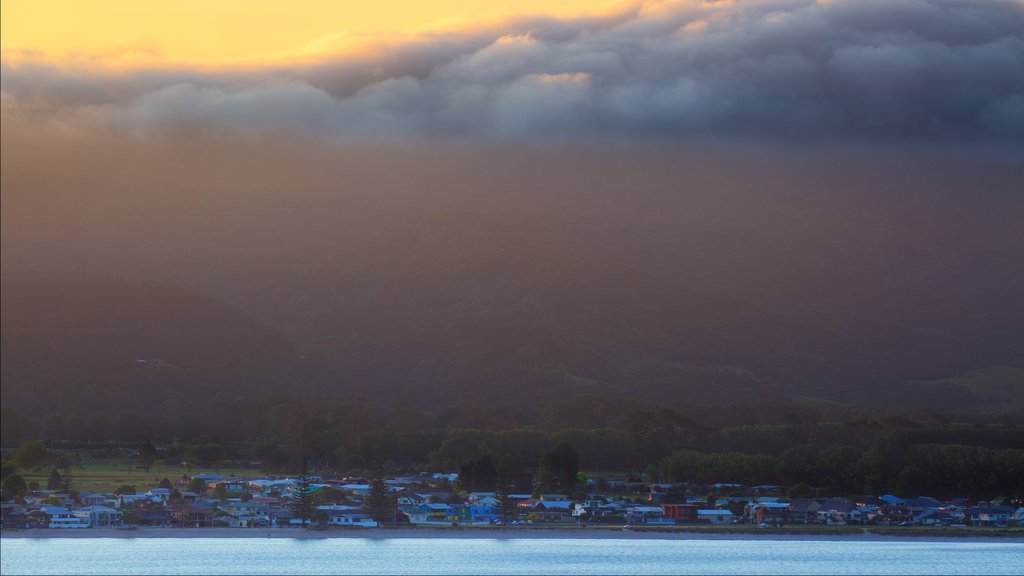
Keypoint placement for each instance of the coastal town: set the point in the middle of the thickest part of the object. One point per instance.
(205, 500)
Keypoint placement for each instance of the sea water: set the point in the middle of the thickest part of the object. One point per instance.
(563, 556)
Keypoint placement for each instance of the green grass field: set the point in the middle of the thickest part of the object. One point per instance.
(106, 475)
(998, 388)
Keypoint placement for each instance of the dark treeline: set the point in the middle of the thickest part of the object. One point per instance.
(816, 449)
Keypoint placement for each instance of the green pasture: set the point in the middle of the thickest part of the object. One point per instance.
(106, 475)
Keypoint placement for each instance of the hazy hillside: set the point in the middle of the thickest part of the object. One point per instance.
(82, 345)
(505, 274)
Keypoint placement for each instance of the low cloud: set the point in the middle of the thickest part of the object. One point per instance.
(912, 70)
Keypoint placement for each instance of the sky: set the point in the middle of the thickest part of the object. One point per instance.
(849, 160)
(125, 32)
(770, 71)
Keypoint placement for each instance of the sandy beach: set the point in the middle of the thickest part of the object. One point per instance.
(492, 533)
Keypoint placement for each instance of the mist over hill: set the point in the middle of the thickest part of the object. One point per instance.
(509, 274)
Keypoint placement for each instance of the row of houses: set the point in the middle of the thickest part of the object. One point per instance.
(427, 500)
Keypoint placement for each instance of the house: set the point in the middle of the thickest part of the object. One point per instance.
(347, 518)
(100, 516)
(230, 485)
(894, 514)
(680, 513)
(647, 515)
(769, 512)
(238, 509)
(95, 499)
(431, 513)
(483, 498)
(190, 516)
(156, 517)
(408, 499)
(126, 500)
(40, 496)
(891, 500)
(715, 516)
(242, 521)
(987, 515)
(356, 489)
(803, 510)
(547, 510)
(836, 511)
(1017, 519)
(470, 514)
(159, 494)
(14, 517)
(937, 518)
(61, 517)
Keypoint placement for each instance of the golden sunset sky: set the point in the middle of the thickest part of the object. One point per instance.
(127, 32)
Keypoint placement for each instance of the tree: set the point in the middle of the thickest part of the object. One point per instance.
(302, 495)
(166, 483)
(7, 468)
(54, 481)
(124, 489)
(379, 501)
(559, 467)
(798, 464)
(147, 455)
(479, 475)
(485, 474)
(911, 482)
(800, 490)
(14, 485)
(31, 455)
(66, 479)
(505, 505)
(196, 485)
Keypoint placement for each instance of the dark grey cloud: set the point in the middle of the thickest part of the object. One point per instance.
(945, 70)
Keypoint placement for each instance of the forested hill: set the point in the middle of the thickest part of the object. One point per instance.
(84, 345)
(512, 277)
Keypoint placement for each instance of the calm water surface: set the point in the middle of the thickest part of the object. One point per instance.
(501, 556)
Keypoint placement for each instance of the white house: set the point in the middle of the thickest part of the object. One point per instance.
(60, 517)
(351, 519)
(646, 515)
(715, 516)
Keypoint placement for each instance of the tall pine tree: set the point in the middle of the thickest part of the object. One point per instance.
(302, 496)
(505, 505)
(66, 479)
(379, 502)
(54, 481)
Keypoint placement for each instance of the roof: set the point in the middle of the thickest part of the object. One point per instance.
(714, 513)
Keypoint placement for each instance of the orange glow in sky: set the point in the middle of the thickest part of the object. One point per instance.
(127, 32)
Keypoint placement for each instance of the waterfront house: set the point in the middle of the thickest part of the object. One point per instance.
(349, 518)
(100, 516)
(681, 512)
(769, 512)
(431, 513)
(715, 516)
(190, 516)
(647, 515)
(61, 517)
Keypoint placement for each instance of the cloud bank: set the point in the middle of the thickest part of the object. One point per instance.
(904, 70)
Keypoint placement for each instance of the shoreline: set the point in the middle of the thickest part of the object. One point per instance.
(496, 534)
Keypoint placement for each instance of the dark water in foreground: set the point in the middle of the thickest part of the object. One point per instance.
(502, 556)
